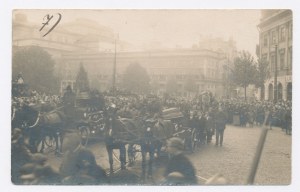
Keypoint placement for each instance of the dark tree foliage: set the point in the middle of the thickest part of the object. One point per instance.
(37, 68)
(136, 79)
(82, 81)
(244, 71)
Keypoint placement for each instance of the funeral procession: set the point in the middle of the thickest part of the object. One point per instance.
(151, 97)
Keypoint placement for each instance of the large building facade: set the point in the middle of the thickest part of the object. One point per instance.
(94, 48)
(200, 67)
(276, 47)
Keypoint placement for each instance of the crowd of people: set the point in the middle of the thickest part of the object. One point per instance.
(207, 118)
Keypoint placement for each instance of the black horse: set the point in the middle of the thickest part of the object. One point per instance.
(153, 137)
(39, 127)
(149, 136)
(115, 138)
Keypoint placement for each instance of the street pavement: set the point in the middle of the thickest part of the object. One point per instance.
(233, 160)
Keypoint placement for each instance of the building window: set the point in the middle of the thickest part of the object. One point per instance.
(282, 34)
(291, 31)
(179, 77)
(282, 60)
(162, 77)
(265, 40)
(274, 39)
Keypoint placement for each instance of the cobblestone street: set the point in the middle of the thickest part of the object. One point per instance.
(233, 160)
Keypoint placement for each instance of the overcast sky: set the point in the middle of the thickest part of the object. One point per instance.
(170, 27)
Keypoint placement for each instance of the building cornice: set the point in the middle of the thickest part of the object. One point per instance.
(274, 18)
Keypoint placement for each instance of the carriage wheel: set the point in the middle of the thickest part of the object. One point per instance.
(84, 132)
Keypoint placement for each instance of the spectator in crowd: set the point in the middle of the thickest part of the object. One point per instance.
(220, 126)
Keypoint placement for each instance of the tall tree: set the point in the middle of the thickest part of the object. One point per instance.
(262, 73)
(82, 81)
(136, 79)
(244, 70)
(37, 68)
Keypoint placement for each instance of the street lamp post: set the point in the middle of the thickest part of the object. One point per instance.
(275, 77)
(114, 69)
(115, 66)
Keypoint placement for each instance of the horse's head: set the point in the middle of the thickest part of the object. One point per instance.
(29, 116)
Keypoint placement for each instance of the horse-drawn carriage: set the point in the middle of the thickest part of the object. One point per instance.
(143, 135)
(181, 127)
(45, 125)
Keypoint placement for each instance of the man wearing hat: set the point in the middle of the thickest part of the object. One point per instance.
(178, 163)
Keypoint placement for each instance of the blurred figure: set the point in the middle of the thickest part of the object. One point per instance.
(20, 155)
(38, 172)
(217, 179)
(175, 179)
(79, 165)
(179, 170)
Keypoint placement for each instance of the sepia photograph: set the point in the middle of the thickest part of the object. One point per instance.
(151, 97)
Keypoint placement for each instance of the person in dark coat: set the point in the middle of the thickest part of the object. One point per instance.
(220, 119)
(178, 164)
(194, 123)
(210, 126)
(69, 103)
(288, 121)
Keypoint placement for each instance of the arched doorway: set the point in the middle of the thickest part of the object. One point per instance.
(279, 91)
(262, 93)
(289, 92)
(271, 92)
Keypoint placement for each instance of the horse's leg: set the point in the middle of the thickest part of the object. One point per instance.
(110, 158)
(130, 154)
(32, 145)
(61, 136)
(56, 135)
(123, 156)
(159, 146)
(42, 141)
(144, 154)
(151, 157)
